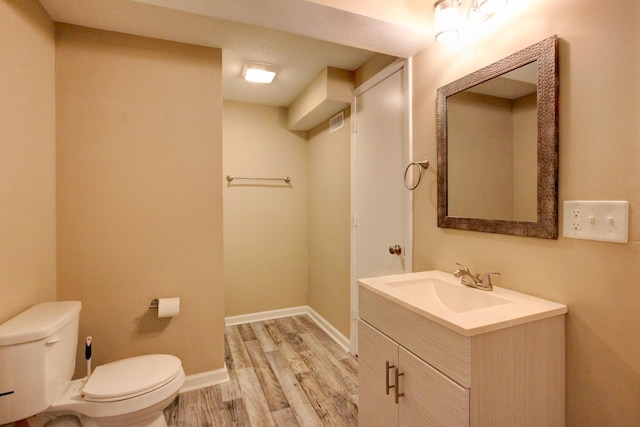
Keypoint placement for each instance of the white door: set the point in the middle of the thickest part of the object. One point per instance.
(381, 205)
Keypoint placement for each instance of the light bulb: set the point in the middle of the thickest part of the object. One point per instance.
(490, 7)
(447, 20)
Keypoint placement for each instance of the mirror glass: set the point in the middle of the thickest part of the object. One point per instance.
(492, 148)
(497, 146)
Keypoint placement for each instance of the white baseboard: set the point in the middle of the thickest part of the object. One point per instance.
(265, 315)
(335, 334)
(205, 379)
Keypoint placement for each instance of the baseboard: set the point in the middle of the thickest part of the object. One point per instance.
(335, 334)
(205, 379)
(265, 315)
(340, 339)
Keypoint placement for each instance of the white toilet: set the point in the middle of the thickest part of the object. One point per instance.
(37, 360)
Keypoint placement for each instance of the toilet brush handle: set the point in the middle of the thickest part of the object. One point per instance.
(87, 349)
(87, 354)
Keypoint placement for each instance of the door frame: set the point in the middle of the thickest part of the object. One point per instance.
(404, 66)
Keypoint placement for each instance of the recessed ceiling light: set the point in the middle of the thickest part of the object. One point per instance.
(258, 73)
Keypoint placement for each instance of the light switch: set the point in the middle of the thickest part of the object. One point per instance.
(603, 220)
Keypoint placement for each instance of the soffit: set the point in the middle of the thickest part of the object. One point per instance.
(299, 36)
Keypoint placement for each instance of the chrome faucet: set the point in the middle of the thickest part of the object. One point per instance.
(473, 280)
(466, 277)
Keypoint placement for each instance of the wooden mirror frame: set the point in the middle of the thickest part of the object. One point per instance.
(545, 53)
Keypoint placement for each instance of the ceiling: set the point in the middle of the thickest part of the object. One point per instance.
(301, 37)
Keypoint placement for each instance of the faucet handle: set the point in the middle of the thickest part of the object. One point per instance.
(464, 267)
(486, 279)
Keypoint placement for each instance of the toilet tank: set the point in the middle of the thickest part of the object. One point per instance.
(37, 358)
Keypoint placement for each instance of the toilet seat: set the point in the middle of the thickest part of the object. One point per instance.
(128, 378)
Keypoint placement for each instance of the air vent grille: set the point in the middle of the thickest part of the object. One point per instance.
(336, 122)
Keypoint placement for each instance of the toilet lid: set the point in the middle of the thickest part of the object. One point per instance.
(131, 377)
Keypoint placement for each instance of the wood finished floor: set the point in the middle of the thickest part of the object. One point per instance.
(284, 372)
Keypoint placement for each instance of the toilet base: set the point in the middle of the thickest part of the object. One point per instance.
(152, 416)
(49, 421)
(154, 420)
(76, 420)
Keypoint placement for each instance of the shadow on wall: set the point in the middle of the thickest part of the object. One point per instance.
(150, 325)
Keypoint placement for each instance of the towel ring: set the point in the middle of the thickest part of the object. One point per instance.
(422, 165)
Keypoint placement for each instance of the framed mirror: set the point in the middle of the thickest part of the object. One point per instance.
(497, 136)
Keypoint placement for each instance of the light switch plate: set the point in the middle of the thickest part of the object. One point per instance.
(602, 220)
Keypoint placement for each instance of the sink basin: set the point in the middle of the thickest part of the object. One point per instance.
(453, 297)
(441, 297)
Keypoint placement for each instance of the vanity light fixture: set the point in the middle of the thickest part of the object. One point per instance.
(490, 7)
(449, 21)
(258, 72)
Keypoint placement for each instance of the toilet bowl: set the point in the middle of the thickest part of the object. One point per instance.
(131, 392)
(37, 360)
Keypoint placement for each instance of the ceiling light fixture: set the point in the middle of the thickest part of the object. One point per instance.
(449, 23)
(258, 72)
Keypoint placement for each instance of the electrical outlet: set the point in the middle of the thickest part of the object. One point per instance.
(576, 219)
(606, 221)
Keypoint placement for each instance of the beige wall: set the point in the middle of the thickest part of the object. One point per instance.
(599, 158)
(139, 205)
(265, 223)
(329, 230)
(27, 157)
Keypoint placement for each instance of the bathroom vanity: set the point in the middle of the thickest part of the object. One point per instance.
(433, 352)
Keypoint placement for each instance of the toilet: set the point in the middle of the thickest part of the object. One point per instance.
(37, 361)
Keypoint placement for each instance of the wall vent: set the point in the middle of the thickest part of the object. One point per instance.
(336, 122)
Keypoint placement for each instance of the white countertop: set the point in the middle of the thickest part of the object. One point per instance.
(440, 297)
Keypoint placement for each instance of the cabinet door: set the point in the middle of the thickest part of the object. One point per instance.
(430, 399)
(375, 406)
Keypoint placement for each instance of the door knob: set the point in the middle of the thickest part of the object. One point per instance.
(395, 250)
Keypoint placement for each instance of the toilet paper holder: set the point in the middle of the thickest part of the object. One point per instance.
(153, 305)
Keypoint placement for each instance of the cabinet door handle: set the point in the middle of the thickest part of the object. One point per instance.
(397, 390)
(389, 367)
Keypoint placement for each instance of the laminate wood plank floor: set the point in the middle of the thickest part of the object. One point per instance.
(283, 372)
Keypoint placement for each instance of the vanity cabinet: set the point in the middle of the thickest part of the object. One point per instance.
(399, 389)
(513, 376)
